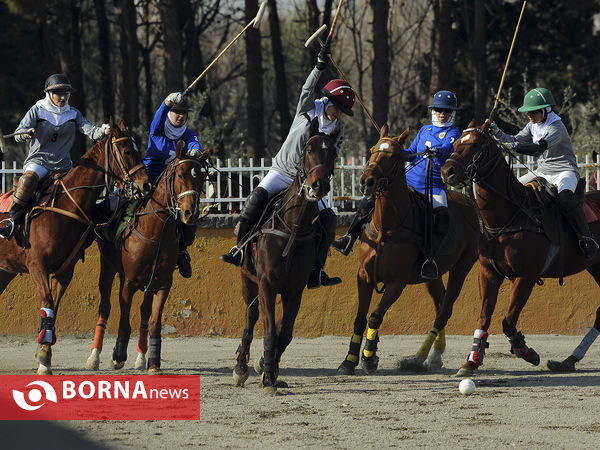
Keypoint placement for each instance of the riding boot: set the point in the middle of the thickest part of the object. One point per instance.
(253, 208)
(187, 233)
(575, 216)
(441, 224)
(318, 277)
(363, 214)
(25, 189)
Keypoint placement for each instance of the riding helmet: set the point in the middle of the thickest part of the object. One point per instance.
(537, 98)
(341, 94)
(183, 106)
(444, 100)
(58, 82)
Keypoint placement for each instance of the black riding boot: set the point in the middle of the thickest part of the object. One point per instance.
(187, 233)
(253, 208)
(441, 224)
(10, 224)
(575, 216)
(318, 277)
(363, 214)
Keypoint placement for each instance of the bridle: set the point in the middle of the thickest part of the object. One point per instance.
(475, 171)
(303, 174)
(384, 182)
(126, 175)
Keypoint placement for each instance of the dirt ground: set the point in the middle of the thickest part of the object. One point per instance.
(514, 405)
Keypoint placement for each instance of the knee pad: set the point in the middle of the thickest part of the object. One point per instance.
(26, 187)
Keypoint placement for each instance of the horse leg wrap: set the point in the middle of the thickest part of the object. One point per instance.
(154, 352)
(143, 337)
(440, 340)
(244, 347)
(354, 350)
(99, 334)
(429, 340)
(518, 346)
(371, 343)
(120, 350)
(585, 344)
(46, 330)
(480, 343)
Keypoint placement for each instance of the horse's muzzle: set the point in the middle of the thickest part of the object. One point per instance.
(367, 185)
(451, 174)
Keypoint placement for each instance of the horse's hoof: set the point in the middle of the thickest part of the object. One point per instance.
(370, 364)
(44, 370)
(140, 361)
(93, 362)
(44, 355)
(240, 375)
(346, 368)
(117, 365)
(258, 365)
(466, 370)
(270, 390)
(532, 357)
(153, 370)
(281, 384)
(560, 366)
(434, 362)
(412, 364)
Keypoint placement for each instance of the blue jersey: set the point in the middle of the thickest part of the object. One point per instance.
(161, 149)
(430, 136)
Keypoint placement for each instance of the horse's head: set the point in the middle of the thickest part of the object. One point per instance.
(385, 163)
(317, 163)
(474, 151)
(124, 163)
(185, 179)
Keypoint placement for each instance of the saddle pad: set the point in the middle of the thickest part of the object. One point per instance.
(591, 210)
(125, 219)
(6, 201)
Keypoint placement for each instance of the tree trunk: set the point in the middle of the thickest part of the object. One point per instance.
(254, 86)
(381, 64)
(172, 45)
(312, 25)
(106, 88)
(128, 49)
(479, 86)
(281, 90)
(442, 47)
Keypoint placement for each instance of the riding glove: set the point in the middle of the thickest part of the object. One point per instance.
(174, 98)
(323, 57)
(105, 129)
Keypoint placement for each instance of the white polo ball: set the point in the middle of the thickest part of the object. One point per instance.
(466, 386)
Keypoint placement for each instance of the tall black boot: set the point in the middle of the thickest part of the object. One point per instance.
(187, 233)
(10, 224)
(318, 277)
(575, 216)
(441, 224)
(363, 214)
(253, 208)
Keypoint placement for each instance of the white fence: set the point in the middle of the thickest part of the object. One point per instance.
(229, 184)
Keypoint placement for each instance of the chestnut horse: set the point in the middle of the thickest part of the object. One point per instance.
(58, 232)
(391, 254)
(145, 257)
(517, 247)
(285, 250)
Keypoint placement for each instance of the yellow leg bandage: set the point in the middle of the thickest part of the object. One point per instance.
(371, 336)
(426, 346)
(440, 341)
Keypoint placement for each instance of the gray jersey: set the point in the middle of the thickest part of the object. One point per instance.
(51, 144)
(287, 161)
(559, 155)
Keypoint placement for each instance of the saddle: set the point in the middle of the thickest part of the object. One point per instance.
(122, 218)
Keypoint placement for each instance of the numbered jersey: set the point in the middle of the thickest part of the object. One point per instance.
(430, 137)
(161, 149)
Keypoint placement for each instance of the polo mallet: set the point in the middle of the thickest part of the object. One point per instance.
(493, 113)
(254, 22)
(6, 136)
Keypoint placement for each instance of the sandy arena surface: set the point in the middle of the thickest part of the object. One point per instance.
(514, 405)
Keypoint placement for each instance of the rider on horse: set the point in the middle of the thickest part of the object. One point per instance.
(167, 128)
(338, 98)
(436, 139)
(547, 137)
(50, 126)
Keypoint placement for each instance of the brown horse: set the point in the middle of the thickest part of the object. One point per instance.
(517, 247)
(390, 253)
(145, 257)
(58, 233)
(285, 250)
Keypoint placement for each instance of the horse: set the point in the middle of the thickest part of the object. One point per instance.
(518, 244)
(390, 252)
(145, 256)
(58, 233)
(285, 250)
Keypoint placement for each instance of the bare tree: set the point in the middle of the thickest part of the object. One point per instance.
(128, 49)
(254, 86)
(281, 90)
(106, 88)
(172, 42)
(479, 85)
(381, 63)
(441, 61)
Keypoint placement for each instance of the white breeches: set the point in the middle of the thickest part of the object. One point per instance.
(566, 180)
(274, 182)
(41, 171)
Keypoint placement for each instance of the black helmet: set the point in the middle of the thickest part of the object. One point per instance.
(58, 82)
(183, 106)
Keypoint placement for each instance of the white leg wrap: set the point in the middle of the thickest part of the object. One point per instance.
(586, 343)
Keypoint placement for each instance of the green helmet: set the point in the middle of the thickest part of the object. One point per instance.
(537, 98)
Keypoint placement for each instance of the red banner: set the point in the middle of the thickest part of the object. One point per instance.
(100, 397)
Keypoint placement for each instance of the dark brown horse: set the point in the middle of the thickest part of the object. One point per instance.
(285, 250)
(145, 257)
(390, 253)
(58, 233)
(517, 247)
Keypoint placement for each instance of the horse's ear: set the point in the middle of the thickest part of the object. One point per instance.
(111, 123)
(471, 124)
(179, 150)
(400, 139)
(314, 126)
(486, 125)
(594, 155)
(122, 126)
(204, 156)
(383, 132)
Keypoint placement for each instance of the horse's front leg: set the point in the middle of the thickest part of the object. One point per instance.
(155, 326)
(242, 354)
(267, 295)
(126, 292)
(107, 275)
(521, 291)
(489, 284)
(142, 347)
(47, 336)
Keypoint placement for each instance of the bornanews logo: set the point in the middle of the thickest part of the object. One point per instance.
(97, 397)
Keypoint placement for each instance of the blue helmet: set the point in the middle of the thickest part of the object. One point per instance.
(444, 100)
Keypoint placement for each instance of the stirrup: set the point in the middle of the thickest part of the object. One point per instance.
(589, 246)
(235, 256)
(5, 232)
(429, 270)
(343, 244)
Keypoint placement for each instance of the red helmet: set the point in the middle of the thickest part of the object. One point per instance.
(341, 95)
